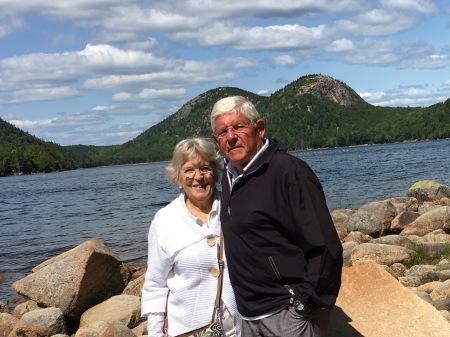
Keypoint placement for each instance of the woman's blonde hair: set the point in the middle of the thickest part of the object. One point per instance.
(195, 147)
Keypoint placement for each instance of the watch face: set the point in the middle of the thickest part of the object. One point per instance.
(299, 306)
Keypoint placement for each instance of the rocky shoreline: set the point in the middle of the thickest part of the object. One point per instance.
(88, 291)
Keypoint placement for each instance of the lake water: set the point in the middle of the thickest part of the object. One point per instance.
(44, 215)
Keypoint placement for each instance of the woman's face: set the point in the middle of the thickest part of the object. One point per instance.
(197, 179)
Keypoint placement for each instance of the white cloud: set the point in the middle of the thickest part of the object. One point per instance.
(341, 45)
(419, 6)
(403, 96)
(374, 52)
(433, 61)
(10, 25)
(375, 23)
(152, 94)
(104, 108)
(264, 93)
(37, 94)
(284, 60)
(36, 77)
(122, 96)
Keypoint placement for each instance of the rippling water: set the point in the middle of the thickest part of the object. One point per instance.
(44, 215)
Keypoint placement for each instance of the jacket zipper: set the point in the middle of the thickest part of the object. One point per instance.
(277, 274)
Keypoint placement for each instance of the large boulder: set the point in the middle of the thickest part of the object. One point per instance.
(383, 210)
(428, 190)
(364, 222)
(372, 303)
(76, 280)
(435, 219)
(381, 254)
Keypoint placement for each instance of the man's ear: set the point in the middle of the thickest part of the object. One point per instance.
(261, 127)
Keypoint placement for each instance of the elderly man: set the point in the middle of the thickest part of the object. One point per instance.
(283, 252)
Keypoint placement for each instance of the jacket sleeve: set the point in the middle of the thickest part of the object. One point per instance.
(317, 238)
(155, 290)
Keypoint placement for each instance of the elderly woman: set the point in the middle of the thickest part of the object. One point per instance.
(182, 271)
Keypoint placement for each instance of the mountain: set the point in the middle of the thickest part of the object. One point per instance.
(22, 153)
(315, 111)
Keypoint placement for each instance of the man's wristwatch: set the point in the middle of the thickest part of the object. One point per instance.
(301, 308)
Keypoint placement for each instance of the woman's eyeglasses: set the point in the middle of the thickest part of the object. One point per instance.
(189, 172)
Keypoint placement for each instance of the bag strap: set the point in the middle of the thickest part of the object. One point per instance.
(221, 262)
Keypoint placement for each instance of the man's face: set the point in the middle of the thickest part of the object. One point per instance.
(238, 139)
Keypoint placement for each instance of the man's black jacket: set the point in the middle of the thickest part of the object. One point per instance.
(278, 231)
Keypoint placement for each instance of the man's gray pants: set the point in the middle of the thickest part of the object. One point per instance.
(288, 323)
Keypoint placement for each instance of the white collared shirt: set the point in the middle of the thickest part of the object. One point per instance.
(233, 176)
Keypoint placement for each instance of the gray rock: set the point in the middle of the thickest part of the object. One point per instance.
(135, 286)
(340, 219)
(441, 292)
(428, 206)
(3, 308)
(443, 304)
(438, 218)
(428, 190)
(398, 269)
(7, 323)
(443, 275)
(93, 329)
(141, 329)
(404, 204)
(24, 307)
(383, 210)
(118, 330)
(403, 219)
(410, 281)
(425, 273)
(429, 286)
(40, 323)
(76, 280)
(125, 309)
(423, 295)
(438, 235)
(434, 249)
(395, 240)
(381, 254)
(364, 222)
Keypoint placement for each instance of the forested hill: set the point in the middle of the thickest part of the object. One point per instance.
(22, 153)
(314, 111)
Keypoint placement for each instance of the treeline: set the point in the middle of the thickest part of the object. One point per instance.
(323, 124)
(22, 153)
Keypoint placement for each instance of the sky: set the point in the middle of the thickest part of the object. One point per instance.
(101, 72)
